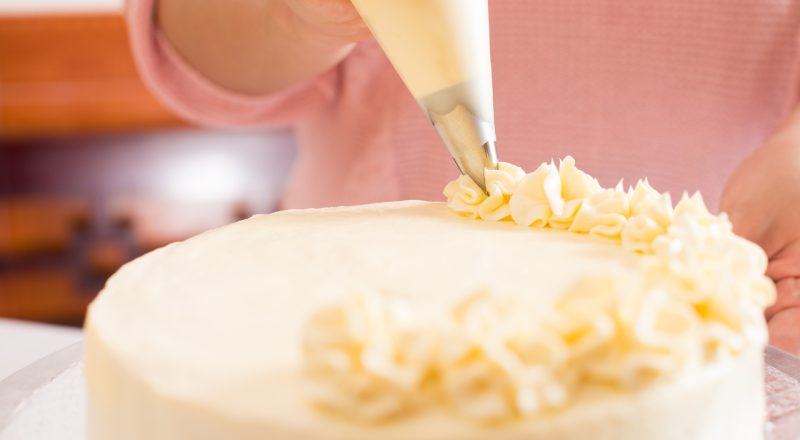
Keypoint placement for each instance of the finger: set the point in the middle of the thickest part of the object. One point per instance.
(786, 262)
(337, 18)
(788, 296)
(784, 330)
(784, 268)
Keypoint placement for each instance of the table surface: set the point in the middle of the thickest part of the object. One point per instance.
(28, 7)
(22, 343)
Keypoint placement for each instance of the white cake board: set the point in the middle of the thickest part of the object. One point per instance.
(47, 400)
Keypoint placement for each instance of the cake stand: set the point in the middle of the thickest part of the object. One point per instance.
(47, 400)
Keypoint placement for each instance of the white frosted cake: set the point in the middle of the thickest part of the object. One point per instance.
(550, 309)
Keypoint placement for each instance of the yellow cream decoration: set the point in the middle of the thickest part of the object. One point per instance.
(538, 197)
(651, 215)
(500, 184)
(576, 186)
(696, 296)
(464, 196)
(367, 357)
(499, 361)
(603, 214)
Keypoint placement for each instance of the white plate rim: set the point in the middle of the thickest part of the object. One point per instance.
(15, 389)
(20, 386)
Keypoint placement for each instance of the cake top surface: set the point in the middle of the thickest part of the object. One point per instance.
(222, 295)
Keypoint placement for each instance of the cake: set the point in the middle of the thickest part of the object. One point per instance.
(548, 308)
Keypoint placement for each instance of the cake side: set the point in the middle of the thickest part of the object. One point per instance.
(725, 401)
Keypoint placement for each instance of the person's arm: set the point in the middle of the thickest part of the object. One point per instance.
(763, 201)
(260, 46)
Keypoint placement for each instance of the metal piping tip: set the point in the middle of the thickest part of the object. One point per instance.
(475, 161)
(470, 140)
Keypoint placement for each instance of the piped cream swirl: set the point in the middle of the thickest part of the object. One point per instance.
(651, 214)
(498, 362)
(367, 357)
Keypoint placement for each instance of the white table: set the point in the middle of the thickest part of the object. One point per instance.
(22, 343)
(28, 7)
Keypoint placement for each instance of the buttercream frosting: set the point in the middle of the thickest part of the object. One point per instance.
(696, 296)
(367, 357)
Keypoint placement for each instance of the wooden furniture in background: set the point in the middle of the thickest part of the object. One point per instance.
(47, 295)
(54, 258)
(32, 226)
(105, 256)
(37, 234)
(71, 74)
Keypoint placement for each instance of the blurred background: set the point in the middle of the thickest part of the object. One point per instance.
(94, 171)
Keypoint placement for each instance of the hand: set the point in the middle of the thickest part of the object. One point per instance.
(261, 46)
(763, 201)
(334, 18)
(784, 324)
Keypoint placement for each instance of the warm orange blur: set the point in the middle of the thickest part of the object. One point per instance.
(71, 74)
(94, 171)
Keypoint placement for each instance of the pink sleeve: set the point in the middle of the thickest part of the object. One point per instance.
(197, 99)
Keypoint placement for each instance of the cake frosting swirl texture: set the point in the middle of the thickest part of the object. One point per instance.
(696, 299)
(548, 308)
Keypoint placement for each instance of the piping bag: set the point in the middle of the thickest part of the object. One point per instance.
(440, 49)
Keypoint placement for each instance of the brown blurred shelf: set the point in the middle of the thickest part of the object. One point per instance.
(71, 74)
(104, 257)
(42, 295)
(39, 225)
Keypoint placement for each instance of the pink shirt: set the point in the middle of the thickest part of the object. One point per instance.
(679, 91)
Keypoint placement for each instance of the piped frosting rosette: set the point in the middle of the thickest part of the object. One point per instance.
(367, 357)
(697, 297)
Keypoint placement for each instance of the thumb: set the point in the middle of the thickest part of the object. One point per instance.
(788, 298)
(784, 330)
(784, 268)
(785, 263)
